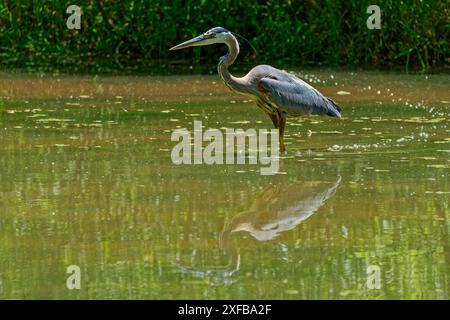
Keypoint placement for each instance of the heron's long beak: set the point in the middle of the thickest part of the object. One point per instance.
(197, 41)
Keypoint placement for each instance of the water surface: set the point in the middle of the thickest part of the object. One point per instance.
(87, 179)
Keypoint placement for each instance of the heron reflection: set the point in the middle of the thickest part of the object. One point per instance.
(279, 208)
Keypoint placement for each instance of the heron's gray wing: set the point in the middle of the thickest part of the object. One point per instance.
(296, 97)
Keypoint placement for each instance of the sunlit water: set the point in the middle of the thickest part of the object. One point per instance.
(87, 180)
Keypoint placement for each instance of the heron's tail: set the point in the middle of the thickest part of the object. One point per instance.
(334, 110)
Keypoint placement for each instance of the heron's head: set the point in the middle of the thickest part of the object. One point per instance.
(214, 35)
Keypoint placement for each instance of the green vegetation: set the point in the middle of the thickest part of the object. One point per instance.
(135, 35)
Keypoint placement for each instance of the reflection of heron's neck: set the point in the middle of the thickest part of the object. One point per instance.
(230, 249)
(227, 60)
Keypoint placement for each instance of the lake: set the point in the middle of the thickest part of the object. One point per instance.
(358, 210)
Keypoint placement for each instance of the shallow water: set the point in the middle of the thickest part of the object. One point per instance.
(87, 180)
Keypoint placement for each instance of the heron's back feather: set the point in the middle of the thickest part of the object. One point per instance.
(296, 97)
(290, 94)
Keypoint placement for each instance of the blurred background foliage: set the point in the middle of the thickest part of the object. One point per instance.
(136, 35)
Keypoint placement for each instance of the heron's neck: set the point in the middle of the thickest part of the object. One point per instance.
(226, 61)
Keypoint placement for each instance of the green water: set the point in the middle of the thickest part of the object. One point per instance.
(87, 179)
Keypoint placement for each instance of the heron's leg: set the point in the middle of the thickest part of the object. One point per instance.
(282, 123)
(275, 119)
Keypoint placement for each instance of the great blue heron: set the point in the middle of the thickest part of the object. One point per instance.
(277, 93)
